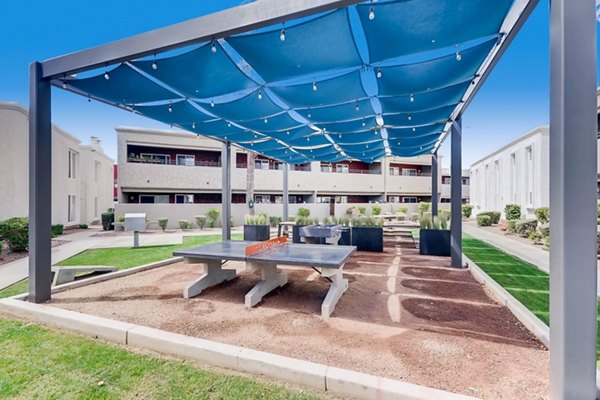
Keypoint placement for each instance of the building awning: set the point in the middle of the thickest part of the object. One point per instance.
(361, 82)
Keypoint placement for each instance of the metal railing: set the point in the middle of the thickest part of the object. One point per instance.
(196, 163)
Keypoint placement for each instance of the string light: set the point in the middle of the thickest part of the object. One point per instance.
(412, 98)
(371, 13)
(260, 95)
(379, 73)
(212, 103)
(266, 121)
(106, 75)
(357, 108)
(64, 85)
(309, 114)
(229, 124)
(410, 117)
(90, 100)
(287, 133)
(170, 108)
(364, 123)
(282, 35)
(314, 86)
(194, 125)
(213, 47)
(458, 56)
(154, 64)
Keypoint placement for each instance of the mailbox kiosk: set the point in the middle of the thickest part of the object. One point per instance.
(136, 223)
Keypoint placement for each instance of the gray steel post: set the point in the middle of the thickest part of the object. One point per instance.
(573, 199)
(40, 185)
(286, 197)
(226, 191)
(456, 194)
(434, 185)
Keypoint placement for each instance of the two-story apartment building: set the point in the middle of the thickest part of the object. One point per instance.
(82, 175)
(445, 187)
(159, 166)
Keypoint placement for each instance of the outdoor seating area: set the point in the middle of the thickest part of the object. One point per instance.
(404, 316)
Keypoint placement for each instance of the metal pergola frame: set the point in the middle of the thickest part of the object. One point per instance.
(573, 142)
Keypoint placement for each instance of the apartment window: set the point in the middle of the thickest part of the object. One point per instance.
(184, 198)
(342, 168)
(513, 177)
(409, 199)
(266, 199)
(409, 172)
(529, 180)
(73, 156)
(261, 164)
(71, 199)
(394, 199)
(394, 171)
(279, 166)
(96, 171)
(341, 199)
(446, 180)
(154, 199)
(96, 206)
(445, 200)
(156, 158)
(186, 159)
(324, 199)
(466, 181)
(326, 168)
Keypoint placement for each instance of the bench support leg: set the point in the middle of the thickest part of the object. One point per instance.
(63, 275)
(271, 280)
(338, 286)
(213, 275)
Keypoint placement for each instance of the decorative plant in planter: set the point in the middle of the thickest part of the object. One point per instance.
(367, 234)
(201, 221)
(434, 236)
(213, 216)
(302, 219)
(256, 227)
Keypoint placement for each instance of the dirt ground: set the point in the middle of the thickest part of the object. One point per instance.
(404, 316)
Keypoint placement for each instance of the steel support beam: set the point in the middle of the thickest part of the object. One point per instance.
(573, 199)
(456, 194)
(229, 22)
(286, 197)
(434, 185)
(40, 185)
(226, 191)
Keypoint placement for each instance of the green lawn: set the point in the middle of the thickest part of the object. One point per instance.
(525, 282)
(122, 257)
(38, 363)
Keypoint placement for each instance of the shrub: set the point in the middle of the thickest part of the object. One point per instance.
(545, 229)
(367, 222)
(525, 227)
(213, 216)
(402, 209)
(375, 209)
(121, 218)
(536, 237)
(82, 226)
(274, 221)
(512, 211)
(15, 232)
(185, 225)
(484, 220)
(200, 221)
(344, 221)
(260, 219)
(302, 221)
(303, 212)
(543, 215)
(424, 207)
(400, 216)
(511, 225)
(443, 222)
(108, 218)
(57, 229)
(425, 221)
(331, 220)
(414, 218)
(494, 216)
(467, 209)
(362, 210)
(163, 222)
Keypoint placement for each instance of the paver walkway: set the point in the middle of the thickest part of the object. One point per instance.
(17, 270)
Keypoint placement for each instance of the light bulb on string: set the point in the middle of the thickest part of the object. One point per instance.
(213, 47)
(106, 75)
(229, 124)
(314, 86)
(357, 108)
(212, 103)
(154, 64)
(170, 108)
(364, 123)
(194, 125)
(260, 95)
(371, 13)
(379, 73)
(410, 117)
(282, 35)
(266, 120)
(412, 98)
(64, 85)
(458, 56)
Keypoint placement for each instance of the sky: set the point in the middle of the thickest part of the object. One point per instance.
(513, 100)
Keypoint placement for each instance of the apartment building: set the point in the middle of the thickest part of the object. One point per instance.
(82, 175)
(445, 186)
(168, 167)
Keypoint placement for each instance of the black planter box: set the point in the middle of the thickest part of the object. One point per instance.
(257, 232)
(296, 233)
(346, 239)
(368, 239)
(434, 242)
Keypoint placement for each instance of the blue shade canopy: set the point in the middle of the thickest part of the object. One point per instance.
(194, 73)
(434, 74)
(348, 84)
(178, 113)
(277, 60)
(406, 27)
(123, 86)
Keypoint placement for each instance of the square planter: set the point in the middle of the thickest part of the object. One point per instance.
(368, 239)
(257, 232)
(346, 239)
(434, 242)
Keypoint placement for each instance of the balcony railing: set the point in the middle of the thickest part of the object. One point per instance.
(414, 175)
(353, 171)
(196, 163)
(275, 167)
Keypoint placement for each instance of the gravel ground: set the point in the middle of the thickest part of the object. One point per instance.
(405, 316)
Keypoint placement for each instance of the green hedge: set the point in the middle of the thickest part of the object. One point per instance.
(484, 220)
(57, 229)
(108, 219)
(467, 209)
(525, 227)
(15, 232)
(494, 216)
(543, 215)
(512, 211)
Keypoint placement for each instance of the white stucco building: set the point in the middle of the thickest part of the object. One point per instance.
(82, 175)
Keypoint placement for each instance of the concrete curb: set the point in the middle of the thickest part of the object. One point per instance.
(318, 376)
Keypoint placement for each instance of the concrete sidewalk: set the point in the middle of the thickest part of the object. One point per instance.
(18, 270)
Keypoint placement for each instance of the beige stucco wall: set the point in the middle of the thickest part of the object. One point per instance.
(14, 164)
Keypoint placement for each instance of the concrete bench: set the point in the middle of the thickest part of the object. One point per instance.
(67, 274)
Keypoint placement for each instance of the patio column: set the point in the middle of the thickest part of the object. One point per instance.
(286, 197)
(226, 190)
(40, 185)
(434, 185)
(573, 199)
(456, 194)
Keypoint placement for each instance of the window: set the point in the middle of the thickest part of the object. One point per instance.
(73, 156)
(71, 208)
(156, 158)
(513, 177)
(409, 172)
(326, 168)
(279, 166)
(324, 199)
(394, 171)
(184, 198)
(96, 171)
(409, 199)
(266, 199)
(261, 164)
(342, 168)
(154, 199)
(445, 200)
(96, 206)
(341, 199)
(465, 181)
(186, 159)
(446, 180)
(529, 176)
(394, 199)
